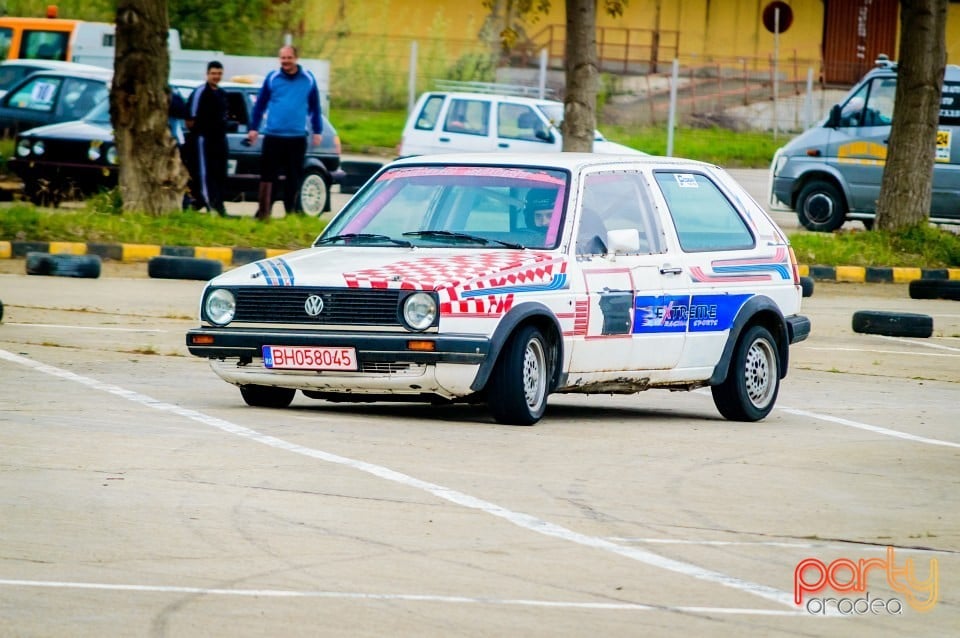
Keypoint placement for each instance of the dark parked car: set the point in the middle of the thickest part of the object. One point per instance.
(74, 159)
(47, 97)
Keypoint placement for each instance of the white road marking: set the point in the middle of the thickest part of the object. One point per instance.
(525, 521)
(55, 325)
(869, 428)
(902, 352)
(918, 342)
(424, 598)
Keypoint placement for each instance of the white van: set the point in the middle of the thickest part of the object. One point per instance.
(832, 172)
(456, 122)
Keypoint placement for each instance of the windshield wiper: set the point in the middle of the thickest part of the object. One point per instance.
(446, 234)
(363, 236)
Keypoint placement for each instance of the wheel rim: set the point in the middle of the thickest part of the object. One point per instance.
(819, 208)
(760, 373)
(534, 377)
(313, 194)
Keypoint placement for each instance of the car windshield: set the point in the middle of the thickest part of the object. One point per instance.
(100, 114)
(467, 207)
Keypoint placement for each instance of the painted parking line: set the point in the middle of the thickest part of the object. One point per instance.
(908, 353)
(415, 598)
(520, 519)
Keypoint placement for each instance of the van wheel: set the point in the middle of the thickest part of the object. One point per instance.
(517, 392)
(753, 381)
(314, 193)
(821, 207)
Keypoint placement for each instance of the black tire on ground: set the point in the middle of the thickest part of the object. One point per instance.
(935, 289)
(806, 284)
(314, 195)
(264, 396)
(892, 324)
(57, 265)
(172, 267)
(821, 207)
(753, 381)
(517, 391)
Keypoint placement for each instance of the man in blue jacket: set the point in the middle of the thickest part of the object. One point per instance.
(291, 100)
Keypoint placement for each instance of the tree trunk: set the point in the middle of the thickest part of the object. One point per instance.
(580, 102)
(908, 176)
(152, 177)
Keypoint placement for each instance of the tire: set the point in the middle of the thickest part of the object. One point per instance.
(57, 265)
(517, 392)
(935, 289)
(753, 380)
(821, 207)
(265, 396)
(314, 195)
(171, 267)
(892, 324)
(806, 284)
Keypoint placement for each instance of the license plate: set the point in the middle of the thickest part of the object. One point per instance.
(309, 358)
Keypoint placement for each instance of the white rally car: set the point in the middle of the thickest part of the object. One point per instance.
(505, 278)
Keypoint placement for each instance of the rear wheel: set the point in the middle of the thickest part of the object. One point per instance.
(265, 396)
(753, 381)
(517, 392)
(821, 207)
(313, 193)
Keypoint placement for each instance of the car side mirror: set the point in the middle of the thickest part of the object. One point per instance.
(623, 241)
(833, 121)
(545, 135)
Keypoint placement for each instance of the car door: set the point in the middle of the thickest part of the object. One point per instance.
(632, 285)
(464, 126)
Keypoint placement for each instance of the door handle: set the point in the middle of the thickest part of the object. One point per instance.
(444, 139)
(503, 145)
(671, 270)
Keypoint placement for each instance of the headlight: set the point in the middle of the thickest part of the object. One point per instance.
(779, 161)
(112, 155)
(23, 147)
(220, 306)
(39, 147)
(93, 153)
(419, 311)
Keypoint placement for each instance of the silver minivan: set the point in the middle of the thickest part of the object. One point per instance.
(832, 172)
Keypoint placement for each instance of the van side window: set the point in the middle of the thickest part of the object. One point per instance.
(44, 45)
(520, 122)
(880, 102)
(427, 118)
(468, 116)
(851, 113)
(704, 218)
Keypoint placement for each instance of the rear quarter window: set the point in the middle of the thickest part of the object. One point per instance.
(704, 218)
(427, 118)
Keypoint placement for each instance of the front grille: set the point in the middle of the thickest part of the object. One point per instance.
(341, 306)
(68, 151)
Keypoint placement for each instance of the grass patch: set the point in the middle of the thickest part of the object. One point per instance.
(730, 149)
(366, 131)
(182, 228)
(921, 246)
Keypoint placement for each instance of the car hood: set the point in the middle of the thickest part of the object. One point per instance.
(76, 130)
(451, 271)
(606, 146)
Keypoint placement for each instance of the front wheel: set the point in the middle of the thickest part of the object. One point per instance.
(313, 194)
(517, 393)
(821, 207)
(265, 396)
(753, 381)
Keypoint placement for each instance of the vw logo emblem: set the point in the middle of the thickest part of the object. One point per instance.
(313, 305)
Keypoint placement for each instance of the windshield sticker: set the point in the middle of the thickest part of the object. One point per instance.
(686, 180)
(943, 145)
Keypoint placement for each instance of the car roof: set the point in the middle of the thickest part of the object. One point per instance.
(517, 99)
(94, 72)
(52, 65)
(569, 161)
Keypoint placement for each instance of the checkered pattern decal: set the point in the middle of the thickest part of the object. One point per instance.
(453, 276)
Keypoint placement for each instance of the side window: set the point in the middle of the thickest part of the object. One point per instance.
(704, 218)
(427, 119)
(44, 45)
(78, 97)
(851, 113)
(468, 116)
(236, 109)
(879, 111)
(36, 95)
(617, 200)
(520, 122)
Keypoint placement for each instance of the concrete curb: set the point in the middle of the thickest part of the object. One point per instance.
(132, 253)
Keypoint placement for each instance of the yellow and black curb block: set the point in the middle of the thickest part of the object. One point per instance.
(132, 253)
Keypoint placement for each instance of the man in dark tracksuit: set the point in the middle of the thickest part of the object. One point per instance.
(207, 122)
(291, 100)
